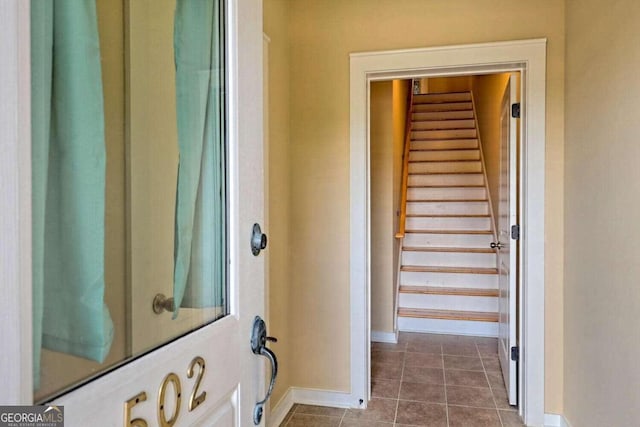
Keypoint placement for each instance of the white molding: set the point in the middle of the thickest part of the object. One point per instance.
(15, 204)
(527, 56)
(448, 327)
(388, 337)
(280, 410)
(308, 396)
(555, 420)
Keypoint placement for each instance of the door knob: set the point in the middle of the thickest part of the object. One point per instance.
(495, 245)
(259, 340)
(258, 240)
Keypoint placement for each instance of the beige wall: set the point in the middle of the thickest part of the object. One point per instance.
(382, 206)
(449, 84)
(602, 297)
(276, 28)
(487, 93)
(382, 212)
(322, 33)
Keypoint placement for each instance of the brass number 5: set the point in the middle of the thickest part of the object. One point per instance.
(128, 406)
(195, 401)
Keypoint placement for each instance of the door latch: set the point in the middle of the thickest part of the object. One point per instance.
(258, 240)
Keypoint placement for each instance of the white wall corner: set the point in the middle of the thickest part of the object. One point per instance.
(386, 337)
(556, 420)
(307, 396)
(280, 410)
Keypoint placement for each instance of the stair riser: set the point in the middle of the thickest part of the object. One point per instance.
(448, 240)
(449, 259)
(441, 97)
(445, 155)
(448, 208)
(455, 327)
(461, 223)
(445, 167)
(442, 124)
(449, 302)
(452, 179)
(444, 134)
(445, 106)
(456, 280)
(443, 115)
(451, 144)
(446, 193)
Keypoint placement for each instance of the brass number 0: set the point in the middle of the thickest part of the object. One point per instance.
(128, 406)
(195, 401)
(162, 417)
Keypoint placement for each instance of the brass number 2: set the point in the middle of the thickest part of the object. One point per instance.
(128, 406)
(162, 417)
(195, 401)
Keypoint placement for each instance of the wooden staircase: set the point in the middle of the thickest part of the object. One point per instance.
(448, 277)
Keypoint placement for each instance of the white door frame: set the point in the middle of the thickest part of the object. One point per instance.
(15, 203)
(527, 56)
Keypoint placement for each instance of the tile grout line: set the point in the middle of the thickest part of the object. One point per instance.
(484, 369)
(444, 379)
(404, 357)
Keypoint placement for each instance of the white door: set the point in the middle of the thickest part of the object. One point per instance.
(507, 254)
(209, 377)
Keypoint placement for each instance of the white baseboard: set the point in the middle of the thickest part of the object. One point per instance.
(388, 337)
(308, 396)
(555, 420)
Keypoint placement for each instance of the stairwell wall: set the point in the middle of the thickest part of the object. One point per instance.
(382, 206)
(388, 109)
(322, 33)
(487, 93)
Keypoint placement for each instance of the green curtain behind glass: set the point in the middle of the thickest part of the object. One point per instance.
(199, 279)
(68, 161)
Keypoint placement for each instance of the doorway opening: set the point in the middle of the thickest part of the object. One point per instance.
(525, 57)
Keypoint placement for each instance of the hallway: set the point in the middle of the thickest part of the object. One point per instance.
(426, 380)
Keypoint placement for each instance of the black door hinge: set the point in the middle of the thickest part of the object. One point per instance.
(515, 232)
(515, 353)
(515, 110)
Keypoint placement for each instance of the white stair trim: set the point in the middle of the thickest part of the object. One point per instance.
(450, 327)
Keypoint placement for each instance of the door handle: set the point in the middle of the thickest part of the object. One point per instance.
(495, 245)
(259, 340)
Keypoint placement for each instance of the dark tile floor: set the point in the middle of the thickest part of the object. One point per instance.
(425, 380)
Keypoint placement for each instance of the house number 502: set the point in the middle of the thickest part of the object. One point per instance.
(196, 367)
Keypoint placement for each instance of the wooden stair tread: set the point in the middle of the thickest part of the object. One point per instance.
(448, 231)
(444, 200)
(422, 150)
(438, 139)
(446, 173)
(463, 270)
(448, 249)
(444, 161)
(441, 290)
(448, 215)
(480, 316)
(448, 186)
